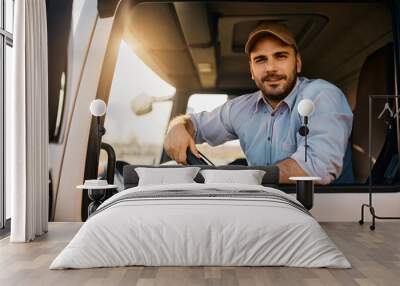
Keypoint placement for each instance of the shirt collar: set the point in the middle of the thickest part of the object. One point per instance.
(289, 100)
(258, 101)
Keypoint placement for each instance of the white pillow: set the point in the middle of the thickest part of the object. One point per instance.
(248, 177)
(163, 176)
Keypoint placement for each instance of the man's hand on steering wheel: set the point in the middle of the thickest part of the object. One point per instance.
(177, 142)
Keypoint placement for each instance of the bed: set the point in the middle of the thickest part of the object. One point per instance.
(201, 224)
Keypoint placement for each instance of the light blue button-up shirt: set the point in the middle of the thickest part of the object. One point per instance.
(268, 136)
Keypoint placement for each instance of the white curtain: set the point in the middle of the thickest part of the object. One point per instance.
(27, 123)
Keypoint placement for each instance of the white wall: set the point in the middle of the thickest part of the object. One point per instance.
(347, 207)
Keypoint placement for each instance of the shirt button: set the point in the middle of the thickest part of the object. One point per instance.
(269, 138)
(272, 114)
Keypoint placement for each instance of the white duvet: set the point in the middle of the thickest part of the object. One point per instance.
(200, 231)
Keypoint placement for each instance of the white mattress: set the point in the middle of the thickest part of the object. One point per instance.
(200, 231)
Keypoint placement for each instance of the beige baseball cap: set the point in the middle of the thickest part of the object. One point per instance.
(276, 29)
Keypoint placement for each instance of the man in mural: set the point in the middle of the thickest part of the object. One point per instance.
(267, 122)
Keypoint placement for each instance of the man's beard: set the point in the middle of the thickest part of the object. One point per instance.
(279, 93)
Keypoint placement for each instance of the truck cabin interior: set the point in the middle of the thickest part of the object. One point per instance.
(198, 48)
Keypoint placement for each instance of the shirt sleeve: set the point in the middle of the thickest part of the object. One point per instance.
(214, 127)
(330, 127)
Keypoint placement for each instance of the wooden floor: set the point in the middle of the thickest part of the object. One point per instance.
(375, 257)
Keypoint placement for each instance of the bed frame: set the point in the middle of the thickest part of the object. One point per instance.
(270, 179)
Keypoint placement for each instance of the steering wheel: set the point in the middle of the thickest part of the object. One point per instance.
(191, 159)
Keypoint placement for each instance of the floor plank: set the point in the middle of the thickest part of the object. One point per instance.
(375, 257)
